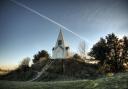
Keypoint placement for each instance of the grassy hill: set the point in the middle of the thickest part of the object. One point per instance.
(58, 70)
(118, 81)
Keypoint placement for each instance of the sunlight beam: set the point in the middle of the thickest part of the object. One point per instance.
(47, 18)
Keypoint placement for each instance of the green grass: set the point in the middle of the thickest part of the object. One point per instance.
(119, 81)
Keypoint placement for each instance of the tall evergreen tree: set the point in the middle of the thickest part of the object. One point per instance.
(115, 60)
(99, 51)
(111, 52)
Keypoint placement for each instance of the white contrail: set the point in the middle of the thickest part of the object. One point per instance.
(47, 18)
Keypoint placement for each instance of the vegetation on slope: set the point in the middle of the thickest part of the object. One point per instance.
(118, 81)
(112, 53)
(59, 70)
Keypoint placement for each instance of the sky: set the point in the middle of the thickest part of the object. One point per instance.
(24, 33)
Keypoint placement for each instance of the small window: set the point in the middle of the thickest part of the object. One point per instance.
(52, 48)
(66, 48)
(59, 42)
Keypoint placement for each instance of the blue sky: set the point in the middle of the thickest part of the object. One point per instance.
(23, 33)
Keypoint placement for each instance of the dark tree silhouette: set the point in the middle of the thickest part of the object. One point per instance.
(112, 55)
(40, 54)
(24, 65)
(125, 50)
(76, 56)
(111, 52)
(99, 51)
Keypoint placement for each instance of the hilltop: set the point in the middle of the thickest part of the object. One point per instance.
(58, 70)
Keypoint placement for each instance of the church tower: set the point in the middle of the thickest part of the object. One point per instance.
(60, 50)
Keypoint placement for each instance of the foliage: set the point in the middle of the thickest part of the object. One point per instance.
(76, 56)
(21, 73)
(40, 54)
(125, 50)
(59, 70)
(99, 50)
(119, 81)
(112, 53)
(25, 62)
(24, 65)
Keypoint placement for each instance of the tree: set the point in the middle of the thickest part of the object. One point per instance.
(40, 54)
(25, 62)
(125, 50)
(99, 51)
(76, 56)
(114, 60)
(110, 53)
(82, 49)
(24, 65)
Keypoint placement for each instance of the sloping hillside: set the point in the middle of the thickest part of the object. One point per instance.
(69, 70)
(58, 70)
(118, 81)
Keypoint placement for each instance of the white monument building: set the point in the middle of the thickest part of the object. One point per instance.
(60, 50)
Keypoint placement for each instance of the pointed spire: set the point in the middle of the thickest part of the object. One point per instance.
(60, 37)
